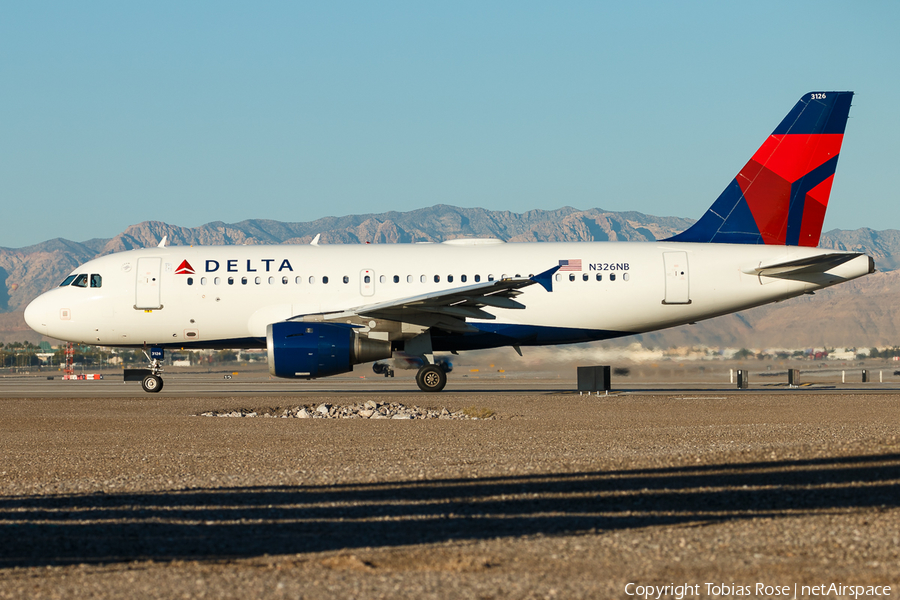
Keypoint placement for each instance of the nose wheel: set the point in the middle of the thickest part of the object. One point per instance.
(152, 383)
(431, 378)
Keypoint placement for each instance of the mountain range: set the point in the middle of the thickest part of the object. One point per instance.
(856, 314)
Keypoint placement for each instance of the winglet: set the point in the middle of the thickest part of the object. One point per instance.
(162, 244)
(546, 278)
(315, 241)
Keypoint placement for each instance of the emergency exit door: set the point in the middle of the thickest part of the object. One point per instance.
(678, 282)
(146, 289)
(367, 282)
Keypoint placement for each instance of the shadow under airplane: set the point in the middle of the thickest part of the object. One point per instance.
(223, 523)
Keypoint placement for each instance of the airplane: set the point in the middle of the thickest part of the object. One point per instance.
(320, 309)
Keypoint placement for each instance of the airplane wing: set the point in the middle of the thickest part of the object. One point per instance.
(449, 309)
(812, 264)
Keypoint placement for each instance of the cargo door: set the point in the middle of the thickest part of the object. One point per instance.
(146, 289)
(677, 278)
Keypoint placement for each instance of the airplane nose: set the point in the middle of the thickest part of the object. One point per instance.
(36, 314)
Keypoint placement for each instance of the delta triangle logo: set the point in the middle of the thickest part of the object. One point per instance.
(184, 268)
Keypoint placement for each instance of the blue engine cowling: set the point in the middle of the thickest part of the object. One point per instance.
(306, 350)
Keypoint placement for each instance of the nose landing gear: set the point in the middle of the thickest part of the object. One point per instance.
(150, 380)
(153, 383)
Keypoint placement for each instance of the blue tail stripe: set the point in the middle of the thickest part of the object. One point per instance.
(799, 189)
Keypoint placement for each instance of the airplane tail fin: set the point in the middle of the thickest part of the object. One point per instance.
(781, 194)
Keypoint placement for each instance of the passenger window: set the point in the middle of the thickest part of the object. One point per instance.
(297, 280)
(271, 280)
(462, 278)
(599, 277)
(231, 281)
(243, 281)
(284, 280)
(490, 277)
(312, 279)
(421, 279)
(325, 279)
(258, 280)
(504, 276)
(571, 276)
(625, 276)
(396, 279)
(190, 281)
(96, 280)
(382, 279)
(585, 277)
(203, 281)
(437, 278)
(477, 278)
(409, 279)
(80, 281)
(449, 278)
(612, 276)
(558, 277)
(346, 279)
(68, 280)
(217, 280)
(367, 279)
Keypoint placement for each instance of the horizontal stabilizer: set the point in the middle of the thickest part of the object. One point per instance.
(812, 264)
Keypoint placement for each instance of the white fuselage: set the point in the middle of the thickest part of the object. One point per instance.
(149, 297)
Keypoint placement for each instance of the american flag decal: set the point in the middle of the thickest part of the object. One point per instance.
(573, 264)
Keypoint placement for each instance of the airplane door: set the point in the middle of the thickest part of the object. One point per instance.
(367, 282)
(146, 289)
(677, 278)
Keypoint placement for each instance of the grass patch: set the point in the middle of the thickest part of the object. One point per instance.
(478, 412)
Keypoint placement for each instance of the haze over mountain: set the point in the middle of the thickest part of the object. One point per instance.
(856, 314)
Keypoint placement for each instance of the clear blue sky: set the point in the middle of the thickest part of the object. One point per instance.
(115, 113)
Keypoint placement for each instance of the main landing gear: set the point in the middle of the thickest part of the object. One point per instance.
(383, 368)
(431, 378)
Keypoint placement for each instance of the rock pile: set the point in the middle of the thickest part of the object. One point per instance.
(368, 410)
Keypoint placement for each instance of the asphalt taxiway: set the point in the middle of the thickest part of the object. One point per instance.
(111, 492)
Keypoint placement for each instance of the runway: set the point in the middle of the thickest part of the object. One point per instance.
(256, 381)
(110, 492)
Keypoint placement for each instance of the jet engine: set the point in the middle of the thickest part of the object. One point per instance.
(304, 350)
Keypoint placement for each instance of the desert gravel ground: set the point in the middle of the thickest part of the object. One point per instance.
(557, 496)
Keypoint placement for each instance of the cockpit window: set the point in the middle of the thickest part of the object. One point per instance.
(82, 281)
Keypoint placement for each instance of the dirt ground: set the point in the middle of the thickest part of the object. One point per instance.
(110, 493)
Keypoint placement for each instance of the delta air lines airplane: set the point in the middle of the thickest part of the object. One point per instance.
(320, 309)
